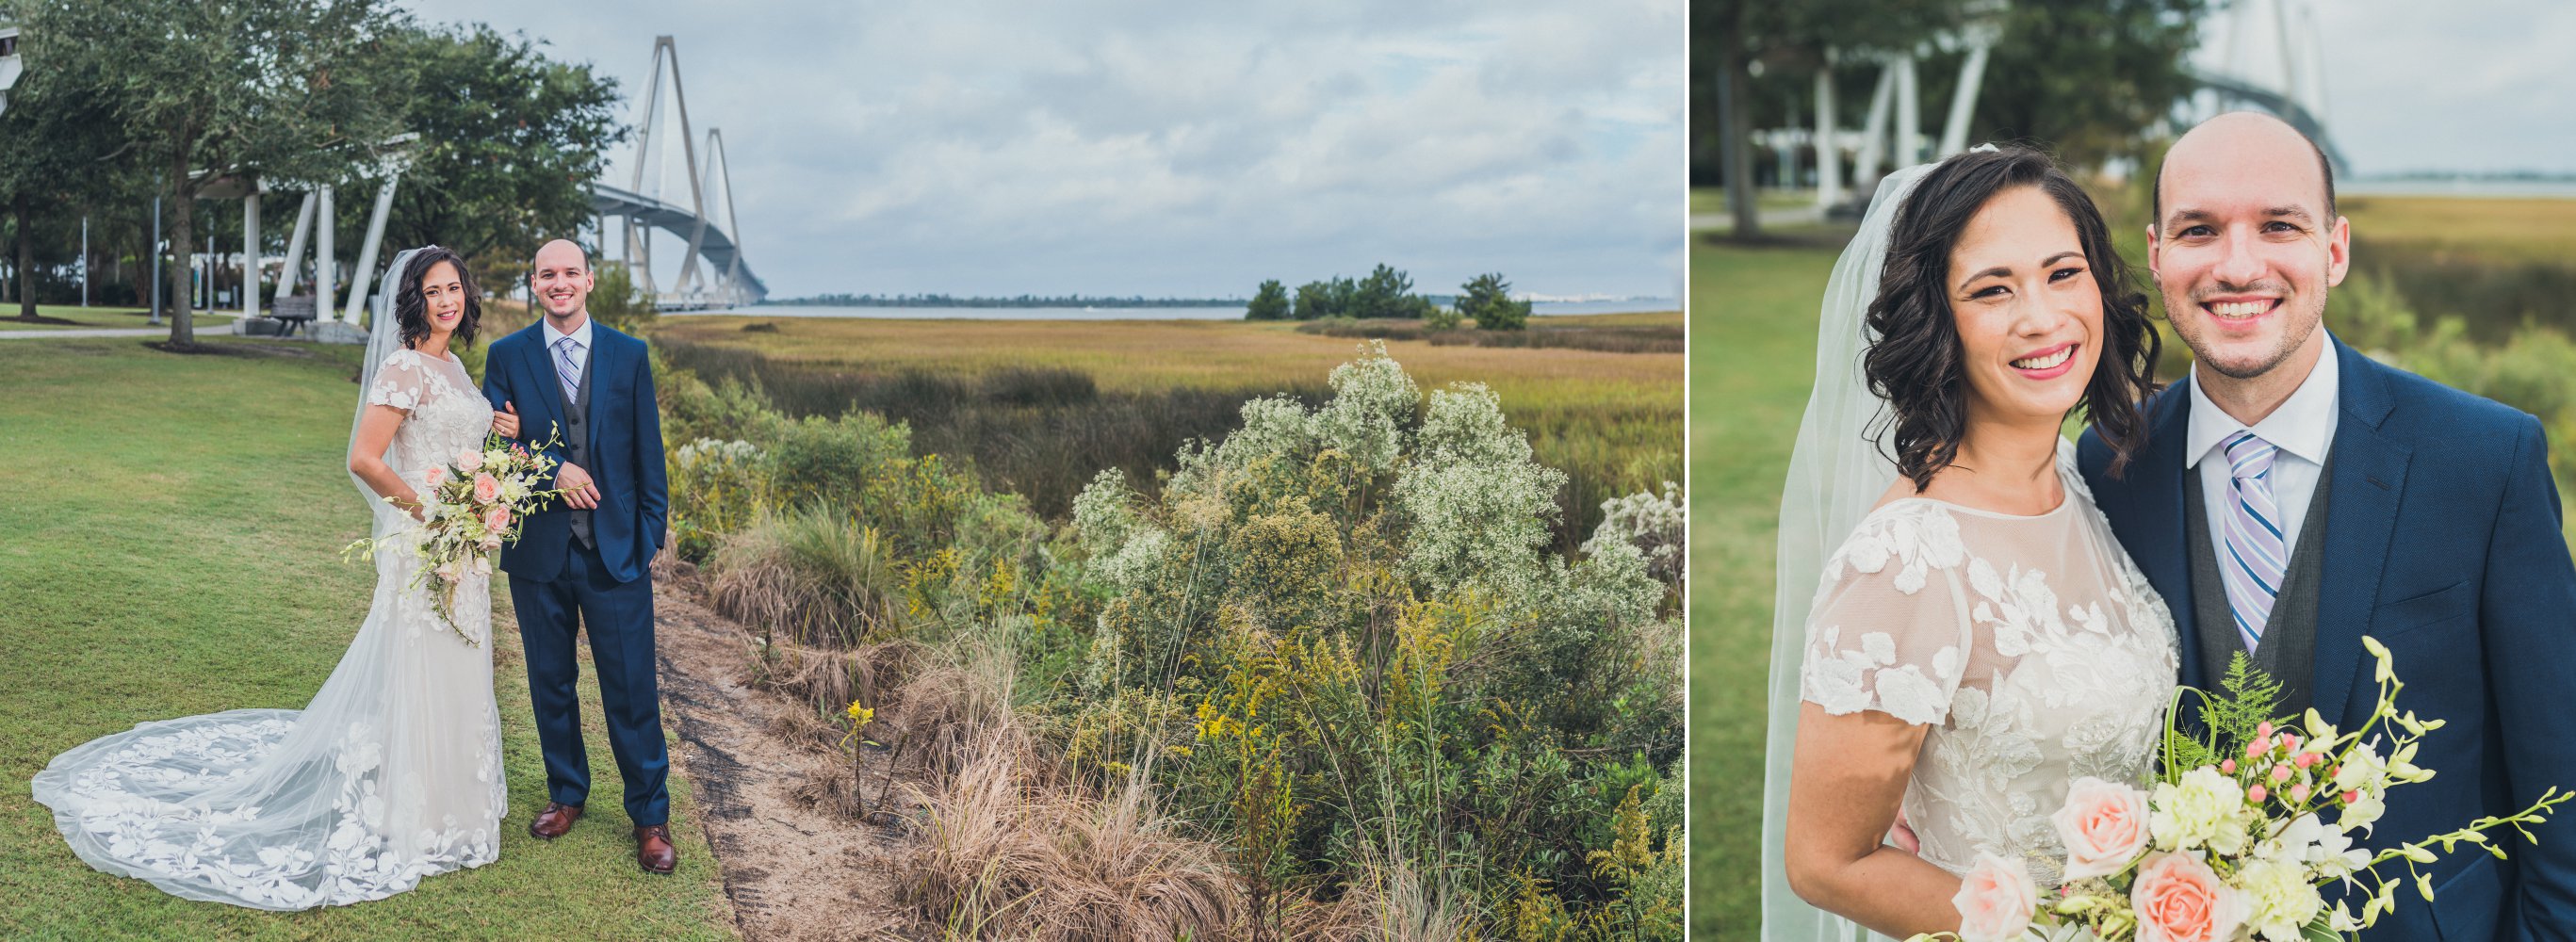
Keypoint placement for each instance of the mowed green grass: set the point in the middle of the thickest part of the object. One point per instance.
(1753, 355)
(170, 529)
(88, 318)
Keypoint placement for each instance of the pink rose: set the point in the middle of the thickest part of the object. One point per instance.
(496, 520)
(470, 461)
(1996, 899)
(434, 475)
(486, 489)
(2104, 825)
(2179, 899)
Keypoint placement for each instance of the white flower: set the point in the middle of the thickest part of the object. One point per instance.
(2204, 810)
(2279, 900)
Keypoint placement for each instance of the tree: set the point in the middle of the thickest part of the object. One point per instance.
(1488, 299)
(1436, 317)
(282, 89)
(1382, 294)
(617, 301)
(1729, 36)
(1334, 297)
(1270, 303)
(2087, 80)
(509, 142)
(60, 144)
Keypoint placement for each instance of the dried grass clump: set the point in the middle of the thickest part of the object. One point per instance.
(1005, 857)
(831, 679)
(814, 575)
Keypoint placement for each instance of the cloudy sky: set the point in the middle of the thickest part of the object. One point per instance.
(2482, 85)
(1168, 148)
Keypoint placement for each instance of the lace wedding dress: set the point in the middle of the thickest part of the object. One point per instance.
(2032, 645)
(390, 774)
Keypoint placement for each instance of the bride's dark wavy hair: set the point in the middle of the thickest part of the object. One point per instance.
(411, 311)
(1916, 363)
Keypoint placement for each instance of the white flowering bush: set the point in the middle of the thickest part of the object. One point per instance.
(1650, 522)
(1347, 630)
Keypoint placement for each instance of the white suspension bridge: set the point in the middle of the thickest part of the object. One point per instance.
(712, 272)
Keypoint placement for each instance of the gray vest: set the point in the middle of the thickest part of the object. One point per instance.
(577, 439)
(2288, 651)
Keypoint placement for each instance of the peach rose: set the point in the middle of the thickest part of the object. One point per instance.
(2104, 825)
(486, 489)
(2179, 899)
(1996, 899)
(434, 475)
(496, 520)
(470, 461)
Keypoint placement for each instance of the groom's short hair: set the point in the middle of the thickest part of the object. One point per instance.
(541, 249)
(2325, 168)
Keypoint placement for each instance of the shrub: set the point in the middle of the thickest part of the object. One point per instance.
(1378, 663)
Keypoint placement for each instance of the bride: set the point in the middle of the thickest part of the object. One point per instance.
(1975, 638)
(393, 771)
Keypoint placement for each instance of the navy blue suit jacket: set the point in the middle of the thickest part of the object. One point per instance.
(625, 450)
(2443, 542)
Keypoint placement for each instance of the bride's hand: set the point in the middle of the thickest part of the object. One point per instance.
(506, 422)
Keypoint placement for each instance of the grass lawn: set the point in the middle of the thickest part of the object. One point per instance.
(88, 318)
(172, 548)
(1753, 354)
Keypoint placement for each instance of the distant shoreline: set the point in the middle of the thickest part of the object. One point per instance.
(1103, 313)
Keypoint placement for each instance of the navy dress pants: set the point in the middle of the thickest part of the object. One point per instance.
(619, 617)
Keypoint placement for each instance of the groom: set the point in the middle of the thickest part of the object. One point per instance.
(2295, 495)
(586, 561)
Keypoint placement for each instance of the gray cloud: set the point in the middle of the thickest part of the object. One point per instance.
(2478, 86)
(1167, 147)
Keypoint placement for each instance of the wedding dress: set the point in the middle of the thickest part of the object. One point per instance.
(2032, 646)
(391, 773)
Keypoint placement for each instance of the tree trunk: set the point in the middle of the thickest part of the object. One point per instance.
(1734, 147)
(26, 258)
(183, 333)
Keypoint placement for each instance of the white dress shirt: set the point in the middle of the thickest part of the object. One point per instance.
(581, 352)
(2303, 428)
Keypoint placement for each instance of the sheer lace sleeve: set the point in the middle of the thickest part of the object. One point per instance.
(402, 381)
(1890, 631)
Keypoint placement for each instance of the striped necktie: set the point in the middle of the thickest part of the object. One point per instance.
(2257, 555)
(567, 368)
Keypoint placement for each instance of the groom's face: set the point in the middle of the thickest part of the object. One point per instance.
(2245, 245)
(560, 279)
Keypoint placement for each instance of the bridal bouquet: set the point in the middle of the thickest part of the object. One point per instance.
(473, 504)
(2237, 836)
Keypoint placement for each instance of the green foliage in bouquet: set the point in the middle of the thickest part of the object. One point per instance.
(2248, 698)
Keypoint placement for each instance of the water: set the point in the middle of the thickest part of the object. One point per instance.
(1620, 306)
(2474, 187)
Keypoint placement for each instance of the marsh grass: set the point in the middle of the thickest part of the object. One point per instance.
(1041, 406)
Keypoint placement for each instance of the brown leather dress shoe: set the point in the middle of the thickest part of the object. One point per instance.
(653, 850)
(554, 821)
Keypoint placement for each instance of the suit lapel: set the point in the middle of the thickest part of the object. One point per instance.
(2158, 498)
(591, 376)
(541, 364)
(2361, 520)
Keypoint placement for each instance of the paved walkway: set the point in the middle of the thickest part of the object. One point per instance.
(225, 330)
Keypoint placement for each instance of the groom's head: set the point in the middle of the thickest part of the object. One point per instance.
(559, 278)
(2246, 242)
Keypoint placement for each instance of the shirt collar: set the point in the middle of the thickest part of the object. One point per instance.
(2302, 426)
(579, 334)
